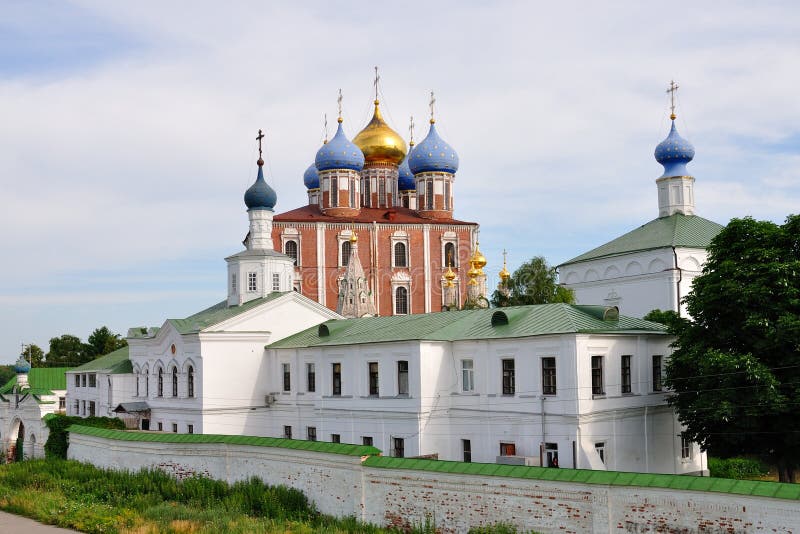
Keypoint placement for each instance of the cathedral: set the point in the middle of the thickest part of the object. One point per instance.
(393, 204)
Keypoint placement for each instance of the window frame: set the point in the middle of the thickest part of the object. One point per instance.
(600, 449)
(286, 372)
(367, 440)
(598, 382)
(276, 282)
(398, 447)
(508, 448)
(466, 451)
(549, 376)
(336, 438)
(311, 377)
(190, 382)
(508, 385)
(373, 379)
(400, 259)
(252, 281)
(402, 378)
(336, 379)
(658, 373)
(287, 431)
(467, 372)
(401, 300)
(625, 374)
(174, 381)
(311, 433)
(160, 389)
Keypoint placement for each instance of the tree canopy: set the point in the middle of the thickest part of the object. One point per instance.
(534, 282)
(735, 372)
(34, 354)
(69, 351)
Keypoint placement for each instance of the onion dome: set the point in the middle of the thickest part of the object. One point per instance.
(478, 260)
(379, 142)
(433, 155)
(504, 274)
(339, 153)
(405, 181)
(260, 196)
(449, 275)
(674, 153)
(311, 177)
(22, 367)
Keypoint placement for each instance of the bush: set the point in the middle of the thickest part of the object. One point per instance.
(58, 441)
(738, 468)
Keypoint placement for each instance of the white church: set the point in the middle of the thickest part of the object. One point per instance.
(554, 385)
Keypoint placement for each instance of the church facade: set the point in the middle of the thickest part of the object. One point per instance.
(399, 204)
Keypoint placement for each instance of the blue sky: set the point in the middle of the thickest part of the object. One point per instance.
(127, 130)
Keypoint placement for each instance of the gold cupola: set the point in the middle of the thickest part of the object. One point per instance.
(504, 274)
(379, 143)
(478, 259)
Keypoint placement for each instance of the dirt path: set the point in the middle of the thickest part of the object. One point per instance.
(15, 524)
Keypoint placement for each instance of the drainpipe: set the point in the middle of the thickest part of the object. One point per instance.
(678, 283)
(541, 448)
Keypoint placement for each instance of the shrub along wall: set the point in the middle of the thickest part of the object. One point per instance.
(58, 440)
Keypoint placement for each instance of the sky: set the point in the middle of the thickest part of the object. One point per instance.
(127, 130)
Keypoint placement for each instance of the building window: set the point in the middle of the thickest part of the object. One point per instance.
(334, 192)
(551, 454)
(600, 449)
(83, 380)
(400, 256)
(366, 440)
(467, 376)
(450, 254)
(548, 376)
(276, 282)
(373, 378)
(62, 403)
(287, 377)
(401, 301)
(77, 381)
(137, 377)
(352, 193)
(160, 382)
(83, 407)
(346, 246)
(190, 429)
(287, 432)
(625, 373)
(336, 379)
(174, 381)
(336, 438)
(92, 380)
(402, 377)
(508, 377)
(398, 447)
(311, 433)
(429, 194)
(367, 194)
(686, 447)
(381, 192)
(447, 194)
(466, 448)
(175, 428)
(290, 249)
(597, 375)
(657, 385)
(233, 283)
(160, 426)
(508, 449)
(92, 407)
(190, 382)
(311, 378)
(147, 383)
(252, 282)
(77, 408)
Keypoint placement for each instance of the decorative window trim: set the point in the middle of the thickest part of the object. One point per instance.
(400, 237)
(341, 238)
(452, 240)
(405, 282)
(252, 281)
(286, 238)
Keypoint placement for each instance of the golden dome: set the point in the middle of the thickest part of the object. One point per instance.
(478, 259)
(473, 272)
(379, 142)
(353, 237)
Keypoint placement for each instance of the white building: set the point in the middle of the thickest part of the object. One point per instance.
(97, 387)
(653, 266)
(24, 401)
(577, 383)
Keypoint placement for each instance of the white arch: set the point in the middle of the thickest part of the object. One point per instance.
(590, 276)
(633, 268)
(572, 278)
(612, 271)
(189, 362)
(656, 266)
(690, 263)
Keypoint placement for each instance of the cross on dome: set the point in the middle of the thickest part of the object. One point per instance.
(259, 137)
(673, 88)
(431, 104)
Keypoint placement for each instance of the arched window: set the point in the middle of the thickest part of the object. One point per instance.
(401, 301)
(290, 249)
(137, 383)
(174, 381)
(447, 195)
(146, 382)
(334, 192)
(160, 382)
(429, 194)
(367, 198)
(345, 252)
(190, 383)
(400, 258)
(450, 258)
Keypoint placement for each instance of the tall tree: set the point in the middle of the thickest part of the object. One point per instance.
(67, 351)
(6, 373)
(34, 354)
(534, 282)
(102, 341)
(735, 372)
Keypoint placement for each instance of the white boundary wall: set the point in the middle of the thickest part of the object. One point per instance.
(340, 485)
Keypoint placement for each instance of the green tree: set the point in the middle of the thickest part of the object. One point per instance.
(534, 282)
(102, 341)
(6, 373)
(67, 351)
(666, 317)
(34, 354)
(735, 372)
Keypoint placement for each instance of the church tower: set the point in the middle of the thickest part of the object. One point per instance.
(434, 164)
(676, 185)
(355, 298)
(406, 186)
(259, 270)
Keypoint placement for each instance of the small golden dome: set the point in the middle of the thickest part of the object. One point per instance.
(504, 274)
(449, 274)
(478, 259)
(379, 142)
(353, 237)
(473, 272)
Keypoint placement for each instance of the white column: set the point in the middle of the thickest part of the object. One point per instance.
(321, 263)
(426, 246)
(260, 229)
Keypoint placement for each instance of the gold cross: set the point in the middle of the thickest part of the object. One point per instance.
(377, 79)
(432, 102)
(259, 138)
(673, 88)
(339, 102)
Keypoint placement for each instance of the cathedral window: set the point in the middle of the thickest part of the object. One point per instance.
(597, 376)
(174, 381)
(276, 282)
(334, 192)
(450, 257)
(373, 379)
(336, 379)
(345, 253)
(352, 193)
(400, 256)
(381, 191)
(146, 383)
(367, 200)
(190, 382)
(290, 249)
(401, 301)
(233, 283)
(160, 382)
(287, 377)
(447, 195)
(429, 194)
(252, 282)
(137, 384)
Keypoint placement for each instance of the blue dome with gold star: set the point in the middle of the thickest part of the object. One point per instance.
(339, 153)
(405, 178)
(311, 177)
(674, 153)
(260, 196)
(433, 155)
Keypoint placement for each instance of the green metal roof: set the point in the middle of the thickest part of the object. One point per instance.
(757, 488)
(116, 362)
(42, 380)
(678, 230)
(523, 321)
(166, 437)
(217, 313)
